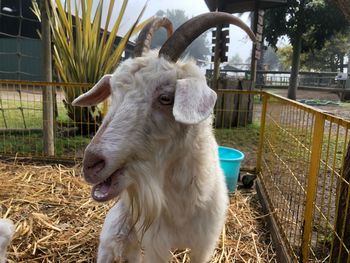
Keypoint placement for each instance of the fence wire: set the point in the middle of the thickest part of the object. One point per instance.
(21, 120)
(299, 151)
(302, 172)
(20, 45)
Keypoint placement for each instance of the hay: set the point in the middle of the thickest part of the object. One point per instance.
(56, 220)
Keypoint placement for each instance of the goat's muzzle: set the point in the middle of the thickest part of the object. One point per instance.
(93, 165)
(106, 184)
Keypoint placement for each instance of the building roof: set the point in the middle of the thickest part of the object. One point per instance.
(240, 6)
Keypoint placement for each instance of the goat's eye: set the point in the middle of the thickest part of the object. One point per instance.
(166, 99)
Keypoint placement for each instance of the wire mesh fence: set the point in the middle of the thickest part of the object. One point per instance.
(302, 172)
(237, 123)
(280, 79)
(299, 151)
(20, 45)
(21, 119)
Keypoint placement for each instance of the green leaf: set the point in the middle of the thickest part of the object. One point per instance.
(83, 49)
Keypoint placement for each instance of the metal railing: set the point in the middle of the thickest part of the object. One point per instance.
(302, 160)
(298, 152)
(280, 79)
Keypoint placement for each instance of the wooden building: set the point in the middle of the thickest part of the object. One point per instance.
(20, 45)
(240, 6)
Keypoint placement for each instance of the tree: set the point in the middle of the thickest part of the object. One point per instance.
(272, 60)
(199, 49)
(235, 60)
(344, 7)
(285, 56)
(329, 58)
(307, 24)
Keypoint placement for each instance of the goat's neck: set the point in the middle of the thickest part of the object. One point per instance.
(182, 159)
(175, 179)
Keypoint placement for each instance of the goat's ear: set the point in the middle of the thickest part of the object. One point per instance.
(194, 101)
(96, 94)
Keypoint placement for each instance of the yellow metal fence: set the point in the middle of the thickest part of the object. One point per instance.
(297, 151)
(303, 153)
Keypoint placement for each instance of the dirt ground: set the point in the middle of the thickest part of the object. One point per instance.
(342, 110)
(308, 94)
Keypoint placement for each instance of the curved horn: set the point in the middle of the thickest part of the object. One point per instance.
(144, 39)
(189, 31)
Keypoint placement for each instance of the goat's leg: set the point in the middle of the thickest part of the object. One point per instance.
(127, 249)
(202, 255)
(118, 240)
(151, 256)
(133, 251)
(156, 247)
(203, 246)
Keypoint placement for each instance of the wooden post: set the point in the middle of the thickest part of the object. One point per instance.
(48, 114)
(216, 73)
(254, 62)
(346, 95)
(257, 26)
(342, 225)
(347, 86)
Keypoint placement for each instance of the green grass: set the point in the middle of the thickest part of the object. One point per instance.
(15, 114)
(345, 104)
(31, 143)
(238, 137)
(23, 121)
(245, 139)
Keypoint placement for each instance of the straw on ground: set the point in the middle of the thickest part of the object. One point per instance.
(56, 221)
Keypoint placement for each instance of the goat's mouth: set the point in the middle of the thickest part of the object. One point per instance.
(109, 188)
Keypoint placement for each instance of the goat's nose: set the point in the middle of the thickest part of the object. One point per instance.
(93, 164)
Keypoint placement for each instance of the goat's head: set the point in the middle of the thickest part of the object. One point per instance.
(154, 100)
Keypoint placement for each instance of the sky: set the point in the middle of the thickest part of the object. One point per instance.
(239, 41)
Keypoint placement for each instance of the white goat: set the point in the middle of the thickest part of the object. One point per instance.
(156, 150)
(7, 230)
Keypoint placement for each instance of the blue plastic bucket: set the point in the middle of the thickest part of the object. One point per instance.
(230, 161)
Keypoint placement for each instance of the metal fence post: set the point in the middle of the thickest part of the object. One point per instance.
(317, 141)
(48, 114)
(262, 131)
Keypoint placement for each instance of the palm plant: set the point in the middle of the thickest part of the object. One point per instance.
(82, 51)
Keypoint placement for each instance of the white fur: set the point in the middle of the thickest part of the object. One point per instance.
(7, 230)
(176, 195)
